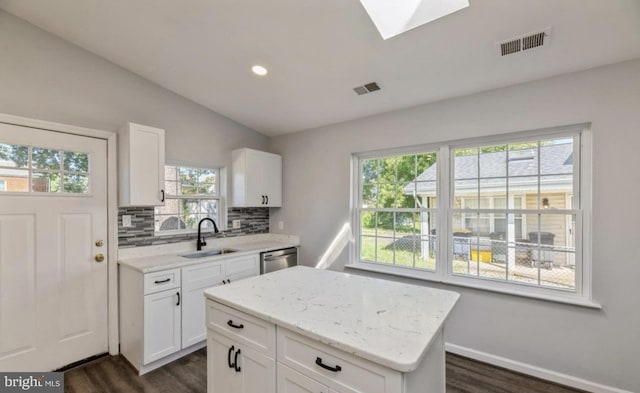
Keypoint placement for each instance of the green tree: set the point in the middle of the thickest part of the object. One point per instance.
(383, 182)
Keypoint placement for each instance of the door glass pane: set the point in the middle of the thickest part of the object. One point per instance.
(45, 158)
(76, 184)
(14, 180)
(45, 182)
(14, 156)
(76, 162)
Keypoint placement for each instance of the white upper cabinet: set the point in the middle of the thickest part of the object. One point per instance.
(257, 179)
(141, 165)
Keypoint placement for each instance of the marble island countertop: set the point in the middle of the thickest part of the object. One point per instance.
(167, 256)
(386, 322)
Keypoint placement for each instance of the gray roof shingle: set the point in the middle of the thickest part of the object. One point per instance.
(556, 170)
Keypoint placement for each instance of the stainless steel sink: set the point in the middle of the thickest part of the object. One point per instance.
(210, 253)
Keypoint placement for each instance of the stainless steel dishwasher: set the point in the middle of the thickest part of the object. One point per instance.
(278, 259)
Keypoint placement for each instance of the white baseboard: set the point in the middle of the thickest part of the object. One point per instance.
(535, 371)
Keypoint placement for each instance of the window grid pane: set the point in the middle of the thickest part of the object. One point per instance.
(398, 193)
(535, 249)
(191, 196)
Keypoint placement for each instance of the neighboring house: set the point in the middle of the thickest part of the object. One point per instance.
(13, 179)
(513, 179)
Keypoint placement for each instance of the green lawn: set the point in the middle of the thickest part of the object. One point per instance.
(397, 257)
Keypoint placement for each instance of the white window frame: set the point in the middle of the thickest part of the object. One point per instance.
(582, 295)
(222, 215)
(3, 185)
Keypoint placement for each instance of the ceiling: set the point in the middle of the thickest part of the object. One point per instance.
(317, 51)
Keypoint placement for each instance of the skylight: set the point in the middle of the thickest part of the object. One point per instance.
(393, 17)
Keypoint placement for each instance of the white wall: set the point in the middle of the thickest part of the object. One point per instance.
(600, 346)
(46, 78)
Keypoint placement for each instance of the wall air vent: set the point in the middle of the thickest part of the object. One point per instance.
(368, 88)
(525, 42)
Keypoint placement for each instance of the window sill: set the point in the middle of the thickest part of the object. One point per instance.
(432, 277)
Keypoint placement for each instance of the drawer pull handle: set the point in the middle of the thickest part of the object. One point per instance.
(162, 281)
(334, 369)
(178, 293)
(230, 323)
(235, 362)
(231, 365)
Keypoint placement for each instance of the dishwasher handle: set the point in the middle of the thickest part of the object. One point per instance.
(279, 253)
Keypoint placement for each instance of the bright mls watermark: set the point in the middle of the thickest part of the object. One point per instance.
(32, 382)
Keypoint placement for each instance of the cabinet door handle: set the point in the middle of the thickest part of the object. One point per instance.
(228, 281)
(263, 199)
(230, 323)
(235, 361)
(267, 200)
(334, 369)
(224, 282)
(231, 365)
(178, 293)
(162, 193)
(162, 281)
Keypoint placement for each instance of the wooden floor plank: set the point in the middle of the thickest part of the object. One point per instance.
(113, 374)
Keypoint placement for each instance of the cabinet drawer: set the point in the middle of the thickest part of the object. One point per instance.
(356, 375)
(160, 281)
(255, 333)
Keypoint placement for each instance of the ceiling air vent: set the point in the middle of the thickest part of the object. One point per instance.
(368, 88)
(525, 42)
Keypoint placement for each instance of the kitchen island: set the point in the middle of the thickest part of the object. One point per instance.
(309, 330)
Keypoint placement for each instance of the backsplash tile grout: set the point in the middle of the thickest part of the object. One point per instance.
(254, 220)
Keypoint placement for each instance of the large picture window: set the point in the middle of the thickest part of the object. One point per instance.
(498, 213)
(191, 195)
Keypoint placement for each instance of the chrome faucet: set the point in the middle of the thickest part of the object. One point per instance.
(201, 241)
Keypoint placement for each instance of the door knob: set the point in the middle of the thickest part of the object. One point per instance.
(99, 257)
(99, 243)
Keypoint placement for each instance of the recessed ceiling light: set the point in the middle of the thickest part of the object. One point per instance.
(259, 70)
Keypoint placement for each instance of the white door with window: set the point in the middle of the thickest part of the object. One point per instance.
(53, 248)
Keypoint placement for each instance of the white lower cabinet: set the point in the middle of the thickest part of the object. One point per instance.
(195, 279)
(236, 368)
(162, 314)
(162, 324)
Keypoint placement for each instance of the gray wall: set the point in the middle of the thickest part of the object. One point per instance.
(46, 78)
(600, 346)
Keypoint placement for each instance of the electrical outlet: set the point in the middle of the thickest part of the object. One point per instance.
(126, 221)
(236, 224)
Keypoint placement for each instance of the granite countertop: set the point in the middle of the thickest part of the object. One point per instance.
(386, 322)
(167, 256)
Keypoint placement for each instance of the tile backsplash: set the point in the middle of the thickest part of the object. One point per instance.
(253, 220)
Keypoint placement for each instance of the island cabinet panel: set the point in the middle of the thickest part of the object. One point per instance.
(250, 331)
(290, 381)
(342, 372)
(236, 368)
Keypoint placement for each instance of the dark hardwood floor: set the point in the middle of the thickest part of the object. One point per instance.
(113, 374)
